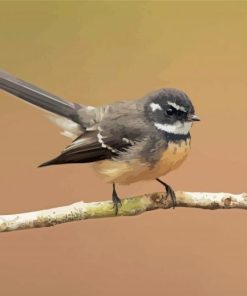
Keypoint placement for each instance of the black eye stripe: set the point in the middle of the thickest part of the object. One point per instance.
(180, 112)
(171, 111)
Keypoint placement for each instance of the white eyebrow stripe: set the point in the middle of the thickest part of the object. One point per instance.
(155, 106)
(176, 106)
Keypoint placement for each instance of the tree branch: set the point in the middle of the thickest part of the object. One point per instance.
(130, 207)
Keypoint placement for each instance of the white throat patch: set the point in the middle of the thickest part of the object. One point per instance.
(177, 128)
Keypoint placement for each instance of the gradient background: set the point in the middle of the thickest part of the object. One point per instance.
(98, 52)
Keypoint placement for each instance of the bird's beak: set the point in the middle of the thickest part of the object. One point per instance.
(194, 118)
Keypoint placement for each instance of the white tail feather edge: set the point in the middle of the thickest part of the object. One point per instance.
(69, 128)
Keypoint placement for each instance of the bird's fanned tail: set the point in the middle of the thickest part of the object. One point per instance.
(38, 97)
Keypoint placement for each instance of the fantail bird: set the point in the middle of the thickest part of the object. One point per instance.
(127, 141)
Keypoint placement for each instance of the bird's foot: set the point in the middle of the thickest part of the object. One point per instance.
(116, 200)
(169, 192)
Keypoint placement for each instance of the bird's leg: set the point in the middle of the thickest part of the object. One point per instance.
(115, 199)
(169, 191)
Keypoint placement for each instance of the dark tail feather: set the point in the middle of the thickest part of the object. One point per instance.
(50, 162)
(38, 97)
(90, 156)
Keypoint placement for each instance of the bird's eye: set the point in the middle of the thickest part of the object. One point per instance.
(170, 111)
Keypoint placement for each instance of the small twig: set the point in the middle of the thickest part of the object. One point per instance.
(130, 207)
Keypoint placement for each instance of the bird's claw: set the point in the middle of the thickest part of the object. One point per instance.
(116, 200)
(169, 192)
(116, 203)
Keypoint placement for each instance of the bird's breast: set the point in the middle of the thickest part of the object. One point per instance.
(126, 172)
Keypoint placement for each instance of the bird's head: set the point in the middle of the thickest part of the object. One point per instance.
(171, 111)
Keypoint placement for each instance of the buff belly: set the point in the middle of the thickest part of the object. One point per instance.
(136, 170)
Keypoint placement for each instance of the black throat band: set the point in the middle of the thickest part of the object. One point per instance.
(176, 137)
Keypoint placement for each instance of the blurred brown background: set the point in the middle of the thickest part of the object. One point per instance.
(98, 52)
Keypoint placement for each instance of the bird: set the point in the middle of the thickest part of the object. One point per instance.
(126, 141)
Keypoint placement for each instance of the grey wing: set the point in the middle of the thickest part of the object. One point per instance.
(90, 147)
(84, 149)
(115, 135)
